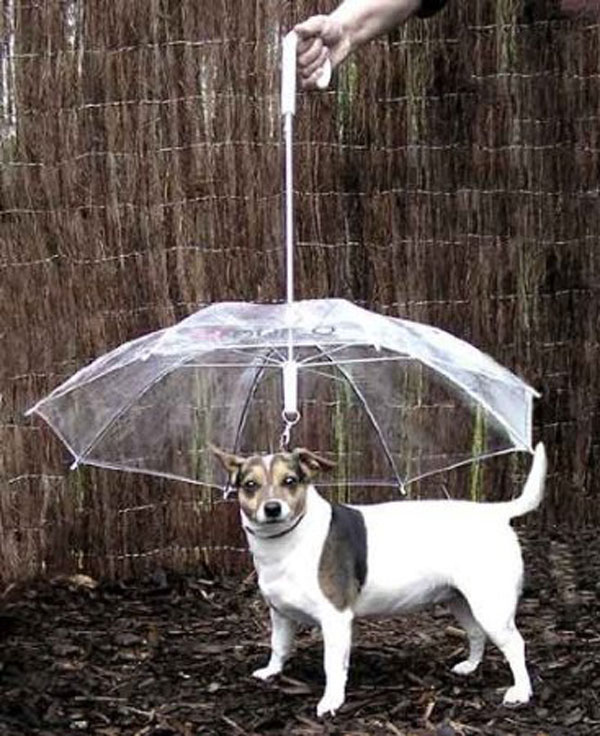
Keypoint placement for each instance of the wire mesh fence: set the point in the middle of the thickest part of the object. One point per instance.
(450, 175)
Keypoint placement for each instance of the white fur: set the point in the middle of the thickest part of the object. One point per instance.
(419, 553)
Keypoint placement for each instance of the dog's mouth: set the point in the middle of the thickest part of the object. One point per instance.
(275, 523)
(273, 528)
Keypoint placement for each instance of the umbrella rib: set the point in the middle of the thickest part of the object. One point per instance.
(255, 382)
(322, 374)
(81, 457)
(155, 473)
(468, 461)
(368, 412)
(238, 351)
(351, 361)
(329, 353)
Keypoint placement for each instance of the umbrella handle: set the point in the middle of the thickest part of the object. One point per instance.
(325, 73)
(288, 74)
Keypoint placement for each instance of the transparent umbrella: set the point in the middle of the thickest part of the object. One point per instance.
(391, 400)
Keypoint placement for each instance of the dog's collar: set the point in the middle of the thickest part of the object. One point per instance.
(274, 536)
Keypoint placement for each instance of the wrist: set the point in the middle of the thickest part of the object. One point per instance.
(348, 17)
(361, 21)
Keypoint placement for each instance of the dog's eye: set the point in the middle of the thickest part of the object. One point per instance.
(290, 481)
(250, 486)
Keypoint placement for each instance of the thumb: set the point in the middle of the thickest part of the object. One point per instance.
(313, 26)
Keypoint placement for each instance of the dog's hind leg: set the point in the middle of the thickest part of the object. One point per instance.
(496, 617)
(282, 644)
(462, 612)
(511, 644)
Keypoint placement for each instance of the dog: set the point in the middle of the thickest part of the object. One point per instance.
(324, 563)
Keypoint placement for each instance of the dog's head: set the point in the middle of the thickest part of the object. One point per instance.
(272, 488)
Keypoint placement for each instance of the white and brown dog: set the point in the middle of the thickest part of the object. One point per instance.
(324, 563)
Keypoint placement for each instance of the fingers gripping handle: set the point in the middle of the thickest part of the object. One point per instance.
(288, 74)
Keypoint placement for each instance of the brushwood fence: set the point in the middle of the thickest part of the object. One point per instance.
(450, 175)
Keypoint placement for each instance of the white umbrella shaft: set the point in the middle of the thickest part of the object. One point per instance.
(288, 109)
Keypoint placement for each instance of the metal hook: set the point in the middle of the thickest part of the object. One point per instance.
(290, 419)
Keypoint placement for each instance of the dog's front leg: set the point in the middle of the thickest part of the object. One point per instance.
(282, 644)
(337, 639)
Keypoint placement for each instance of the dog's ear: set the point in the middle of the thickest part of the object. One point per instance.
(231, 463)
(310, 463)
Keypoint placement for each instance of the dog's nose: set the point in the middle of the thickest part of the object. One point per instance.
(272, 509)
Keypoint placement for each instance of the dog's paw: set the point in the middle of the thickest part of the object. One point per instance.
(517, 695)
(465, 668)
(329, 704)
(263, 673)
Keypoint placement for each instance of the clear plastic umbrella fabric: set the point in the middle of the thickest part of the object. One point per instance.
(389, 400)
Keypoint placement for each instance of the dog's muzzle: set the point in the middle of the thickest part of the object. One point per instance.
(272, 510)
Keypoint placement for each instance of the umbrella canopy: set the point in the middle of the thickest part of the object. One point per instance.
(391, 400)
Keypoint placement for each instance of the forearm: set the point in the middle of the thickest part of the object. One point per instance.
(364, 20)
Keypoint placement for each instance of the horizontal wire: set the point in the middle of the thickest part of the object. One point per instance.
(515, 28)
(465, 240)
(583, 194)
(211, 145)
(156, 551)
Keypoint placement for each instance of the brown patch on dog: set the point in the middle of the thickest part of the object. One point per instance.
(343, 563)
(253, 478)
(232, 463)
(309, 463)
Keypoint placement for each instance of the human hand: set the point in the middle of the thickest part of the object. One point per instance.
(320, 38)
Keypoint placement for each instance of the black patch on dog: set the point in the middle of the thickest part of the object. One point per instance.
(343, 563)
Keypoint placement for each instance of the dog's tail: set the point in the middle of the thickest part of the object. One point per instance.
(533, 492)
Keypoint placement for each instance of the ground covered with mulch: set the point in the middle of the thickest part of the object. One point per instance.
(172, 655)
